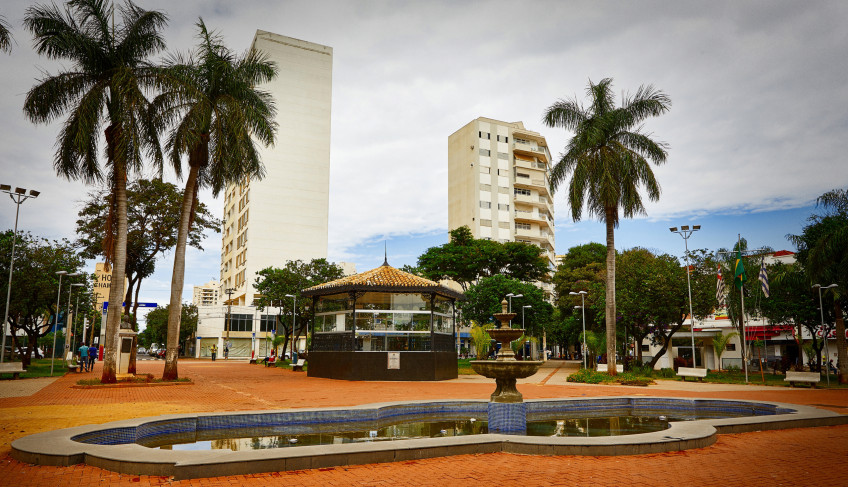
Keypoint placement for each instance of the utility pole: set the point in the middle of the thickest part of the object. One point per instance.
(229, 292)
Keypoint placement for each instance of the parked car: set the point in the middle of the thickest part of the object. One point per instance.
(154, 349)
(141, 350)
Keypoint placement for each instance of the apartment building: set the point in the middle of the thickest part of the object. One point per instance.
(283, 216)
(206, 294)
(498, 183)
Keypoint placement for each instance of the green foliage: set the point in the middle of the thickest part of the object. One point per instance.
(720, 342)
(467, 260)
(669, 373)
(153, 216)
(483, 300)
(156, 330)
(273, 284)
(482, 340)
(32, 303)
(5, 35)
(589, 376)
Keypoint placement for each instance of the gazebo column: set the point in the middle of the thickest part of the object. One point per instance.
(432, 322)
(352, 299)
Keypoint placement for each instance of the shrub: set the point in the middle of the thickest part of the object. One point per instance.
(589, 376)
(667, 373)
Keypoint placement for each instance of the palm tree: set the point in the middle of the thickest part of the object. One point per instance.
(5, 35)
(104, 84)
(720, 345)
(823, 250)
(217, 112)
(608, 161)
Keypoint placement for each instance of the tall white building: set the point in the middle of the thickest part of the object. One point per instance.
(498, 183)
(283, 216)
(206, 294)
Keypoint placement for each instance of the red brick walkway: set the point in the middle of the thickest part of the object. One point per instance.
(813, 456)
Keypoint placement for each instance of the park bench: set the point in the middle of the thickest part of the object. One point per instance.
(72, 367)
(691, 372)
(810, 377)
(298, 367)
(603, 368)
(14, 368)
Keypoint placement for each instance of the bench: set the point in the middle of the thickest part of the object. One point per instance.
(603, 368)
(691, 372)
(298, 367)
(810, 377)
(72, 367)
(14, 368)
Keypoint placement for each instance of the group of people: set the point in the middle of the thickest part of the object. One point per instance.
(87, 356)
(214, 351)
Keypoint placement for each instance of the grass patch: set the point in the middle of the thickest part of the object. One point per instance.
(41, 368)
(464, 366)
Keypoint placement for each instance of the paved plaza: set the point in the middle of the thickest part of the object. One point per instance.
(808, 456)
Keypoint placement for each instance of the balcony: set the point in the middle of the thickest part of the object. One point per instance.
(525, 148)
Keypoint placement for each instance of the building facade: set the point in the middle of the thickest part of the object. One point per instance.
(284, 215)
(498, 184)
(206, 294)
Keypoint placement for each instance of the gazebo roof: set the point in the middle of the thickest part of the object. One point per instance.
(382, 279)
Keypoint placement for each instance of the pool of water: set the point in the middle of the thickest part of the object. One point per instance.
(548, 424)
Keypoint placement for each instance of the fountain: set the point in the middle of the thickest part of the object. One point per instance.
(507, 413)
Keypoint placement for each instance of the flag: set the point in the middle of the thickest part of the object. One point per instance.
(720, 288)
(764, 279)
(739, 276)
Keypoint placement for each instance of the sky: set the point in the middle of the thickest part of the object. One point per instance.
(758, 126)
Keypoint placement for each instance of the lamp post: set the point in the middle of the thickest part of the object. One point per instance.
(68, 315)
(294, 315)
(685, 232)
(582, 306)
(18, 196)
(824, 330)
(56, 322)
(510, 296)
(229, 292)
(522, 319)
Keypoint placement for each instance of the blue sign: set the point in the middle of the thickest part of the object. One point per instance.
(140, 305)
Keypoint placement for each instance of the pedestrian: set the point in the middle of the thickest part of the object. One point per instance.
(214, 351)
(83, 358)
(92, 357)
(226, 351)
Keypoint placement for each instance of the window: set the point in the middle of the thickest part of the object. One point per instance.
(503, 138)
(504, 225)
(485, 152)
(503, 190)
(646, 348)
(522, 226)
(521, 192)
(485, 223)
(731, 347)
(485, 204)
(485, 170)
(502, 206)
(522, 175)
(502, 155)
(268, 323)
(240, 322)
(485, 187)
(503, 172)
(484, 135)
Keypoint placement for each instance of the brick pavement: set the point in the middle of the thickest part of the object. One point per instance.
(787, 457)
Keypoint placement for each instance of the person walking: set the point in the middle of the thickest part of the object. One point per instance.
(83, 358)
(92, 357)
(214, 351)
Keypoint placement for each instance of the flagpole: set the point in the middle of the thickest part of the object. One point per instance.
(742, 315)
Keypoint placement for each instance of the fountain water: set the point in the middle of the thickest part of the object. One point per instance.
(507, 413)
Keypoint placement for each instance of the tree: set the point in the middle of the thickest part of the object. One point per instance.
(153, 216)
(217, 114)
(466, 260)
(581, 269)
(483, 300)
(720, 342)
(156, 330)
(104, 84)
(275, 285)
(823, 250)
(608, 161)
(32, 304)
(481, 339)
(5, 35)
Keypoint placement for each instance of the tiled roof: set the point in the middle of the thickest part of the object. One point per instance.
(384, 278)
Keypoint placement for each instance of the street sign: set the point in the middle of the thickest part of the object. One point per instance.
(140, 305)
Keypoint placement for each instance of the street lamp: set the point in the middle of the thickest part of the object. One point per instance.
(68, 323)
(824, 331)
(582, 306)
(685, 232)
(229, 292)
(18, 196)
(294, 315)
(56, 322)
(522, 319)
(510, 296)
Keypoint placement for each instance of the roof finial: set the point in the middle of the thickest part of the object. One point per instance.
(385, 253)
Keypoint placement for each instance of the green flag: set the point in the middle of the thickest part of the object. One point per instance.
(739, 276)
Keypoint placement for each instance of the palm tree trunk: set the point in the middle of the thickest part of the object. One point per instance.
(178, 277)
(119, 262)
(610, 294)
(841, 355)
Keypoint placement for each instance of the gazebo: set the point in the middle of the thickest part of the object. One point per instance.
(383, 324)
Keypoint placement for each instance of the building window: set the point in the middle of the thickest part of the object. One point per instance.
(240, 322)
(504, 225)
(502, 206)
(503, 172)
(731, 347)
(485, 204)
(485, 187)
(503, 138)
(485, 223)
(522, 226)
(485, 152)
(268, 323)
(521, 192)
(646, 348)
(522, 175)
(485, 170)
(503, 190)
(502, 155)
(484, 135)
